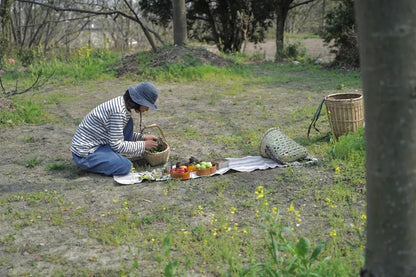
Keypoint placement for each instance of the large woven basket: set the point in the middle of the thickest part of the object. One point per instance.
(157, 158)
(278, 147)
(345, 112)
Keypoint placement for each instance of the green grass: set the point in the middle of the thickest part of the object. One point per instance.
(25, 112)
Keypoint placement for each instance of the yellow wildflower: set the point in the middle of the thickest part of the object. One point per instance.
(333, 233)
(233, 210)
(212, 218)
(260, 192)
(224, 226)
(236, 226)
(214, 232)
(200, 210)
(291, 208)
(274, 210)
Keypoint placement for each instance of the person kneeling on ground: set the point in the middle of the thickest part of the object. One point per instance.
(107, 132)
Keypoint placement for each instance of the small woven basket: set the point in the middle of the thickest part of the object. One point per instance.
(277, 146)
(157, 158)
(345, 112)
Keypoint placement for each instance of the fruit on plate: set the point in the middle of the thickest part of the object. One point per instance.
(179, 169)
(205, 168)
(180, 173)
(203, 165)
(191, 168)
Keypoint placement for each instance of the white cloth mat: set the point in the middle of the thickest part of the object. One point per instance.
(246, 164)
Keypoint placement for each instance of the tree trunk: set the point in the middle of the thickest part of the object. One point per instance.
(179, 22)
(281, 14)
(5, 6)
(387, 33)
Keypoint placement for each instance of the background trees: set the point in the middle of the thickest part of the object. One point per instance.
(111, 10)
(341, 33)
(227, 24)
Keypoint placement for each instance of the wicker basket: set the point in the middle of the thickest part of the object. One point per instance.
(157, 158)
(278, 147)
(345, 112)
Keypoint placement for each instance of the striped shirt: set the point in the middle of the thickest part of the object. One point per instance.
(105, 125)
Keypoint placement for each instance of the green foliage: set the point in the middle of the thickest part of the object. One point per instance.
(32, 162)
(82, 64)
(350, 147)
(342, 31)
(348, 157)
(288, 255)
(160, 147)
(56, 166)
(229, 23)
(295, 51)
(189, 68)
(24, 112)
(26, 56)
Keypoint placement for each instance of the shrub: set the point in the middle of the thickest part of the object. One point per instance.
(341, 34)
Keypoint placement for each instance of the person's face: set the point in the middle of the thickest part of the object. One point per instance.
(142, 109)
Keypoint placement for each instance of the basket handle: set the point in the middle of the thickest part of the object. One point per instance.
(156, 126)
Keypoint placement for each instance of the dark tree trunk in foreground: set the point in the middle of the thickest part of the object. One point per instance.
(387, 36)
(179, 22)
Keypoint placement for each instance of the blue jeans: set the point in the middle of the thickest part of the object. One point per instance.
(104, 160)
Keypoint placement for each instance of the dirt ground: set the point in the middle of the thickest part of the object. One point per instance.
(316, 48)
(26, 151)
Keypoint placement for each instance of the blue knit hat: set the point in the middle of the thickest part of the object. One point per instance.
(144, 94)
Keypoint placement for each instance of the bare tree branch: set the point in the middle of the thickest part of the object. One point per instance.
(145, 29)
(300, 4)
(36, 84)
(135, 18)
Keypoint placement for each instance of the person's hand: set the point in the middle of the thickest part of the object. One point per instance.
(150, 144)
(149, 137)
